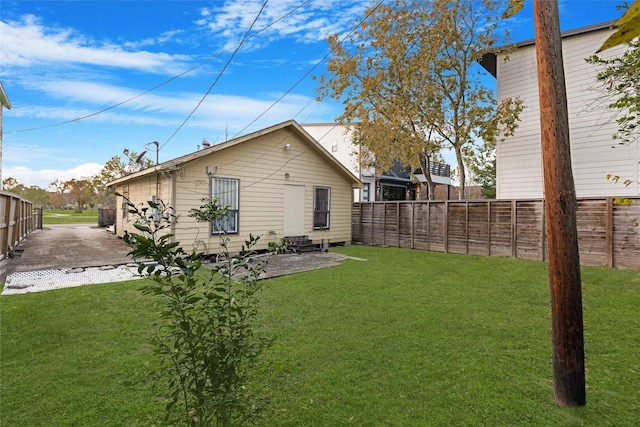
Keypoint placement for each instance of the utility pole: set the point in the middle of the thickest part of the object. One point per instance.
(560, 211)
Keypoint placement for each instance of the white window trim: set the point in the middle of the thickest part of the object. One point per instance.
(327, 222)
(235, 210)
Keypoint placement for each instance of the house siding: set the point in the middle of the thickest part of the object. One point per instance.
(260, 165)
(328, 134)
(140, 191)
(591, 123)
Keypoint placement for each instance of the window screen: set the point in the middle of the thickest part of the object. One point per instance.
(227, 192)
(321, 207)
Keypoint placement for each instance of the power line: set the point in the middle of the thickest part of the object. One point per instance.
(242, 41)
(104, 110)
(316, 65)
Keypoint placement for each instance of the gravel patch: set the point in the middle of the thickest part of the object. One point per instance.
(46, 280)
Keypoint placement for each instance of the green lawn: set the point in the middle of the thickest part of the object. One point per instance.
(69, 216)
(405, 338)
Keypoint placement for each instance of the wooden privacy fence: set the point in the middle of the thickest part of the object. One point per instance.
(16, 221)
(608, 233)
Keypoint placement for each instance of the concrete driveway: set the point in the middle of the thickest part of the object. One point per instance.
(66, 246)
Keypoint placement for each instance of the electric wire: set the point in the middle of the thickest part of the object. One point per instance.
(177, 76)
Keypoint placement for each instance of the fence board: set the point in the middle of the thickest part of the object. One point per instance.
(608, 233)
(16, 221)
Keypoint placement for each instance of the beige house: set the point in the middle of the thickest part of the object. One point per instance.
(279, 182)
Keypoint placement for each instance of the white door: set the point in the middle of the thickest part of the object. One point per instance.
(293, 210)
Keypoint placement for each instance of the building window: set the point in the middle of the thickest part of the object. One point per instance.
(321, 207)
(227, 192)
(334, 146)
(365, 192)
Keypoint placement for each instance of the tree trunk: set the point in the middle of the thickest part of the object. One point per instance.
(560, 211)
(426, 170)
(461, 172)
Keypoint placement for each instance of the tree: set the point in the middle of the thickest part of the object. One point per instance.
(80, 192)
(115, 168)
(36, 195)
(10, 184)
(484, 169)
(60, 190)
(621, 81)
(406, 77)
(33, 193)
(207, 329)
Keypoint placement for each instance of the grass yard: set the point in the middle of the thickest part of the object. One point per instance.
(69, 216)
(405, 338)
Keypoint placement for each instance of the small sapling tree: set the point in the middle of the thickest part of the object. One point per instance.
(206, 328)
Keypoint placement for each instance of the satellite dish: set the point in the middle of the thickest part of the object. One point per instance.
(140, 157)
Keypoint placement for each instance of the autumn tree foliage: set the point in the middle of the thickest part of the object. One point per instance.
(408, 78)
(86, 191)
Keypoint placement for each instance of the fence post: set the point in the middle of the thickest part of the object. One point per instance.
(609, 232)
(413, 225)
(384, 223)
(514, 239)
(446, 226)
(7, 221)
(372, 213)
(488, 227)
(429, 225)
(398, 225)
(360, 222)
(466, 223)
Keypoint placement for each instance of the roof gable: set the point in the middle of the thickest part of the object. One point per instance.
(488, 61)
(4, 99)
(290, 125)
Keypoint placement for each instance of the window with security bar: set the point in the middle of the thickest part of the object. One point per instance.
(227, 193)
(321, 207)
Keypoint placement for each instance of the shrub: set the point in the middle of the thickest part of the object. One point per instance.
(206, 327)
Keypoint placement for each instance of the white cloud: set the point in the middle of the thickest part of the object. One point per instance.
(42, 178)
(28, 43)
(310, 23)
(156, 109)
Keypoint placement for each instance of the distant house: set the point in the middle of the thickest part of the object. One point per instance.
(4, 103)
(279, 182)
(592, 124)
(399, 183)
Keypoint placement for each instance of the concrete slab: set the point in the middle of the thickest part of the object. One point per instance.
(66, 246)
(283, 264)
(49, 256)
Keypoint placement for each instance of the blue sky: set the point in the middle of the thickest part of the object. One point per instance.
(61, 62)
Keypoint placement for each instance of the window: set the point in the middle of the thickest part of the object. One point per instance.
(227, 192)
(321, 206)
(365, 192)
(334, 146)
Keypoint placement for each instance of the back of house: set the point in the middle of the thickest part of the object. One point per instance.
(278, 182)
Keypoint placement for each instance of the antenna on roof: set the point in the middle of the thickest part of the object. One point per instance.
(140, 157)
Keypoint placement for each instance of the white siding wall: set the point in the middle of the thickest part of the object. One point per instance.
(519, 163)
(336, 139)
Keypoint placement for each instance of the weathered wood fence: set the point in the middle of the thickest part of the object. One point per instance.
(17, 219)
(608, 233)
(106, 217)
